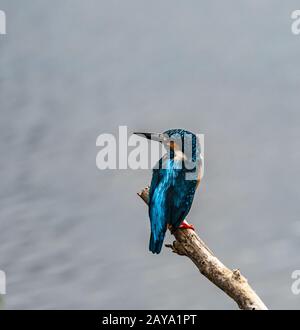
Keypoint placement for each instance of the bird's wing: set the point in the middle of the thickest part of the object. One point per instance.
(170, 199)
(156, 177)
(181, 196)
(158, 211)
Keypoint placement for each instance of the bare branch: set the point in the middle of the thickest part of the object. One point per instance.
(189, 244)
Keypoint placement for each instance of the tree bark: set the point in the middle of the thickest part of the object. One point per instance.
(189, 244)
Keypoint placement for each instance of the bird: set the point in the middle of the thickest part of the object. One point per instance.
(175, 179)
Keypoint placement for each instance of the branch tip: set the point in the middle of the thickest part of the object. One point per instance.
(190, 245)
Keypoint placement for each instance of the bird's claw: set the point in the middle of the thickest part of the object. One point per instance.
(185, 225)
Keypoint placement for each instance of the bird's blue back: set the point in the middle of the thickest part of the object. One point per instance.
(171, 195)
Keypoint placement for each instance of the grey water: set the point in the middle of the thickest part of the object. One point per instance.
(72, 236)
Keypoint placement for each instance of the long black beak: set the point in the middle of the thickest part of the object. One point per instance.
(154, 136)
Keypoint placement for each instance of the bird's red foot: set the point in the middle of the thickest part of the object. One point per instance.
(185, 225)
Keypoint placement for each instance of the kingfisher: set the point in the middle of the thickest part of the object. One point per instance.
(175, 179)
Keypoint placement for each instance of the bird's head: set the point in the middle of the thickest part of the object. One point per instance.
(177, 140)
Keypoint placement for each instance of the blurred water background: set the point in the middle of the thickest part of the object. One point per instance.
(72, 236)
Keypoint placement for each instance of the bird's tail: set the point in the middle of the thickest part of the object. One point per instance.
(156, 243)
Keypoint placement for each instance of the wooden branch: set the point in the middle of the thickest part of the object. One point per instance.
(189, 244)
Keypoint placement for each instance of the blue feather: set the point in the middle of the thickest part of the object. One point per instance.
(171, 194)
